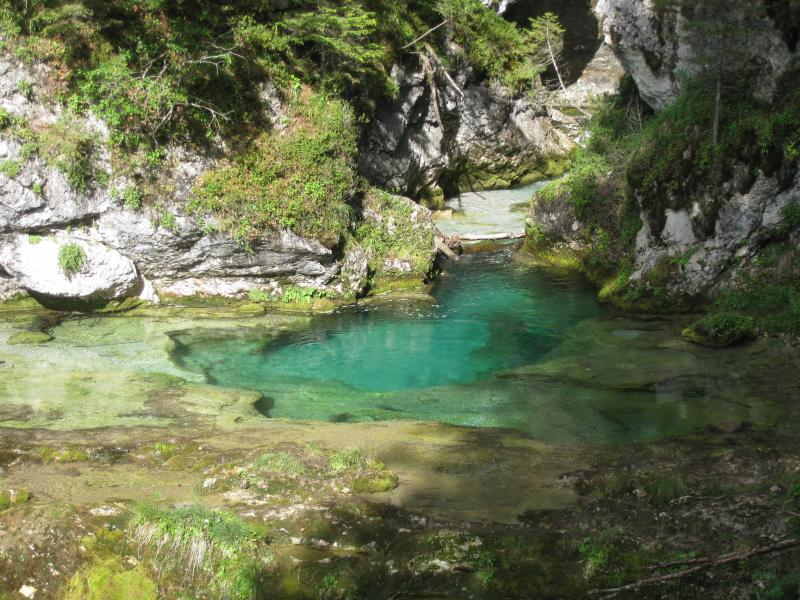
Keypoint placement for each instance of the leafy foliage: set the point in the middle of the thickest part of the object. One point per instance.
(191, 69)
(71, 258)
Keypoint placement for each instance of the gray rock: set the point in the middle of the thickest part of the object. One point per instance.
(652, 46)
(105, 274)
(407, 149)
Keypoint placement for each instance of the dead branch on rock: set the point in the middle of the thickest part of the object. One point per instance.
(701, 564)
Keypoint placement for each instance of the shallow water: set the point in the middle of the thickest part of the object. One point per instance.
(489, 212)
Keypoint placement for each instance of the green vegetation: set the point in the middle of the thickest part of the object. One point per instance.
(10, 168)
(72, 150)
(368, 474)
(258, 295)
(293, 294)
(29, 337)
(595, 188)
(280, 462)
(721, 328)
(611, 558)
(214, 545)
(192, 70)
(71, 258)
(13, 498)
(109, 580)
(301, 179)
(62, 455)
(397, 235)
(132, 197)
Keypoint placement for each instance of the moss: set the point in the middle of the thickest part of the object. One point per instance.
(395, 232)
(720, 329)
(13, 498)
(109, 580)
(371, 485)
(30, 337)
(62, 455)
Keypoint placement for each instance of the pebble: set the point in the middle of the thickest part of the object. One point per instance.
(27, 591)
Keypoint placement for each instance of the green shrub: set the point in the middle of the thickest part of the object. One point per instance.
(299, 180)
(257, 295)
(293, 294)
(72, 149)
(5, 119)
(71, 258)
(11, 168)
(132, 197)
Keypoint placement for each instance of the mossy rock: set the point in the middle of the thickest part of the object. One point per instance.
(30, 337)
(381, 482)
(720, 329)
(107, 580)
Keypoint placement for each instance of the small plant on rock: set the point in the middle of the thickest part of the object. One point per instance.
(71, 258)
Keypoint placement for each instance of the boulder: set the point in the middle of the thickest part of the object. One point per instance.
(104, 274)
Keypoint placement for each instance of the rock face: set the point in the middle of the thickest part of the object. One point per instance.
(652, 46)
(744, 222)
(133, 252)
(424, 141)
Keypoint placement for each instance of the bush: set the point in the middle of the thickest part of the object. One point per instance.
(299, 180)
(721, 328)
(132, 197)
(71, 258)
(11, 168)
(72, 149)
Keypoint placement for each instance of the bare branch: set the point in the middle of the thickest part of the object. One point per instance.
(424, 35)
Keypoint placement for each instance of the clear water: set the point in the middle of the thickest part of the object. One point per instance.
(489, 315)
(487, 213)
(504, 345)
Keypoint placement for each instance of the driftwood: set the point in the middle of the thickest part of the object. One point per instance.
(700, 564)
(442, 247)
(469, 237)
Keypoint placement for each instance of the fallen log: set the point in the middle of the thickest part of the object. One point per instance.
(476, 237)
(702, 564)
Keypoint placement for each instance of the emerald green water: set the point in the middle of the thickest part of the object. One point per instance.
(504, 345)
(489, 315)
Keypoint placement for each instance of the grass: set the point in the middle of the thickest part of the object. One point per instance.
(216, 546)
(71, 258)
(301, 179)
(280, 462)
